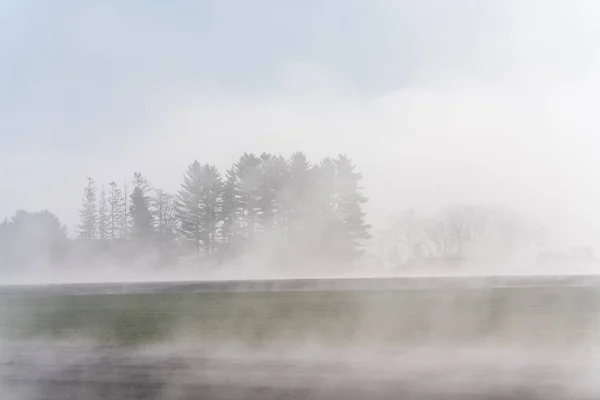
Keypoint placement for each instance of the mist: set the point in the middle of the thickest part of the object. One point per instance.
(201, 161)
(478, 104)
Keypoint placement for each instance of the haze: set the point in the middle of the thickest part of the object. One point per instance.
(472, 122)
(436, 102)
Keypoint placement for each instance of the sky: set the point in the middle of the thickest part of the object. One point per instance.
(437, 102)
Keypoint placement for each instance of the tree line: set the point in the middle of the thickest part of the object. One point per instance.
(283, 209)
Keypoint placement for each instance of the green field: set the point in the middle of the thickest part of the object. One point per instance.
(565, 316)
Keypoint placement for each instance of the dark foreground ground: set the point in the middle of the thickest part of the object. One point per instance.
(61, 372)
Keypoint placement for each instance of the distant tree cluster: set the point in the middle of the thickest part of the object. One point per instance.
(32, 239)
(475, 232)
(286, 209)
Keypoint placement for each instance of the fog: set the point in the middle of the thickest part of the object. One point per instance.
(479, 103)
(469, 127)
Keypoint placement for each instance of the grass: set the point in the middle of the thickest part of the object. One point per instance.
(527, 316)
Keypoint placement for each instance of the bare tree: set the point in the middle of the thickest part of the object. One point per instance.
(435, 236)
(405, 230)
(462, 224)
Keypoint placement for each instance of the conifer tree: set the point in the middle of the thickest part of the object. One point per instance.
(103, 216)
(273, 199)
(199, 206)
(267, 191)
(230, 232)
(213, 192)
(139, 209)
(298, 192)
(126, 222)
(348, 209)
(88, 213)
(116, 208)
(248, 180)
(189, 206)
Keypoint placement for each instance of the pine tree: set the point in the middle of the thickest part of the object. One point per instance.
(230, 231)
(139, 209)
(189, 206)
(213, 192)
(198, 206)
(88, 213)
(115, 211)
(319, 201)
(103, 216)
(325, 181)
(273, 203)
(125, 221)
(297, 199)
(248, 180)
(348, 209)
(267, 193)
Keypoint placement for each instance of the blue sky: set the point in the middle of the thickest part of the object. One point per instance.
(80, 66)
(455, 100)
